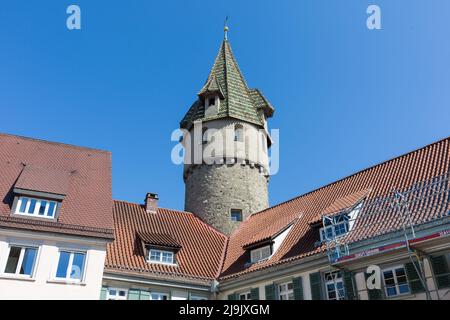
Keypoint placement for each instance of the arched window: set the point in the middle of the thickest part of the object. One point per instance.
(204, 135)
(238, 133)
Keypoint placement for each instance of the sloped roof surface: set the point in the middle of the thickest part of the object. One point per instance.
(239, 101)
(44, 180)
(202, 247)
(397, 174)
(82, 174)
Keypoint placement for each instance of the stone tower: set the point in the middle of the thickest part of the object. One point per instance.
(226, 140)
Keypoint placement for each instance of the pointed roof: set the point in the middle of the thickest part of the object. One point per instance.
(237, 100)
(212, 86)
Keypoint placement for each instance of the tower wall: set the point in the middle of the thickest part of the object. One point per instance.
(230, 174)
(213, 190)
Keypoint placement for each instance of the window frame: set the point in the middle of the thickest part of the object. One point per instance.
(260, 249)
(393, 269)
(17, 274)
(38, 202)
(347, 218)
(334, 281)
(239, 211)
(239, 128)
(117, 296)
(161, 252)
(246, 294)
(288, 293)
(72, 253)
(160, 294)
(205, 135)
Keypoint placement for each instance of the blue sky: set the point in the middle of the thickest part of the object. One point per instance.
(346, 97)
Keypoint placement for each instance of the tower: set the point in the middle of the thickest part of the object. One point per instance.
(226, 140)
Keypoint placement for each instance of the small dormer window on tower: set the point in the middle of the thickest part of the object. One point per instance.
(211, 101)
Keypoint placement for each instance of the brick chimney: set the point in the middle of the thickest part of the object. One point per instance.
(151, 202)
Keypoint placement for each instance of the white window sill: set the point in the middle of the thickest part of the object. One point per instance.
(66, 282)
(163, 263)
(401, 296)
(16, 277)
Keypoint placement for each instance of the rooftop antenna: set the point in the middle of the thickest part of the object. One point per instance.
(225, 29)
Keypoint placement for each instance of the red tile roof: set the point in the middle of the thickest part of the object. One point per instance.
(343, 204)
(82, 174)
(159, 239)
(399, 173)
(44, 180)
(202, 247)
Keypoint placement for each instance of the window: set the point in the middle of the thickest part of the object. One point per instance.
(236, 215)
(245, 296)
(21, 261)
(340, 224)
(395, 281)
(204, 135)
(211, 102)
(334, 286)
(36, 207)
(238, 133)
(197, 297)
(159, 296)
(116, 294)
(161, 256)
(260, 254)
(286, 291)
(71, 265)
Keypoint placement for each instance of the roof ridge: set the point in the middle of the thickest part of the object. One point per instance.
(54, 143)
(225, 78)
(351, 175)
(163, 208)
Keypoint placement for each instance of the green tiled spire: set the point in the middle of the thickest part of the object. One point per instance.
(236, 99)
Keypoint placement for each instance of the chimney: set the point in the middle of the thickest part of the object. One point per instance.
(151, 202)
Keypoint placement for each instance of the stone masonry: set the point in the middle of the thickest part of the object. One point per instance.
(213, 190)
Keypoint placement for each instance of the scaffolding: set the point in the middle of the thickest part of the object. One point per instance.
(399, 211)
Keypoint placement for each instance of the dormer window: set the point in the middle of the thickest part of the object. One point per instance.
(211, 103)
(161, 256)
(159, 248)
(260, 254)
(265, 244)
(340, 224)
(35, 207)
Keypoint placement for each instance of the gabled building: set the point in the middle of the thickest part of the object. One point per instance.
(319, 245)
(381, 233)
(161, 254)
(55, 219)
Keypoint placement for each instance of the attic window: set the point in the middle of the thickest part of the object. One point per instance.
(36, 207)
(260, 254)
(340, 224)
(211, 102)
(161, 256)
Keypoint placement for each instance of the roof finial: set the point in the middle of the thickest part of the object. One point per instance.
(225, 29)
